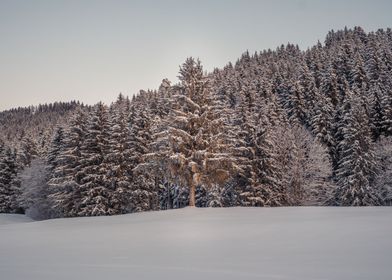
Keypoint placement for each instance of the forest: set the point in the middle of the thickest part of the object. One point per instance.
(283, 127)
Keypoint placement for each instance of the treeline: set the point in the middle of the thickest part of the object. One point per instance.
(277, 128)
(34, 123)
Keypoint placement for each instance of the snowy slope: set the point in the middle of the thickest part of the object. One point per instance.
(234, 243)
(6, 219)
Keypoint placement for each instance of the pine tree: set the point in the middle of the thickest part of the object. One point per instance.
(243, 129)
(386, 107)
(357, 164)
(65, 179)
(357, 75)
(9, 184)
(376, 113)
(194, 147)
(28, 150)
(55, 148)
(133, 190)
(310, 92)
(295, 103)
(2, 147)
(119, 158)
(145, 186)
(95, 189)
(267, 187)
(329, 86)
(321, 121)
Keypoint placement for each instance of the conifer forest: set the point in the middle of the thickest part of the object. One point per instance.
(283, 127)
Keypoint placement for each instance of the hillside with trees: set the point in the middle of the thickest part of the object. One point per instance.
(280, 127)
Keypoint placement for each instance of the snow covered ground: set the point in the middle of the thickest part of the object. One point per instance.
(233, 243)
(6, 219)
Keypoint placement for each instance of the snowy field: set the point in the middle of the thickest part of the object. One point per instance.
(13, 219)
(233, 243)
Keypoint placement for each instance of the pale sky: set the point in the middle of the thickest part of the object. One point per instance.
(53, 50)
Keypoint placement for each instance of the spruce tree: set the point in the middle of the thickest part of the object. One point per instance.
(28, 150)
(194, 147)
(357, 165)
(95, 190)
(65, 179)
(144, 188)
(9, 184)
(55, 148)
(266, 170)
(118, 158)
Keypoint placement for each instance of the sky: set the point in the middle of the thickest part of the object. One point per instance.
(91, 50)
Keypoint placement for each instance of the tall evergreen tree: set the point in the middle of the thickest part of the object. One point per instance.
(9, 184)
(357, 165)
(267, 187)
(95, 186)
(145, 186)
(65, 179)
(194, 147)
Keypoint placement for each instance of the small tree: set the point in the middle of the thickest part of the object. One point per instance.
(310, 170)
(383, 182)
(35, 191)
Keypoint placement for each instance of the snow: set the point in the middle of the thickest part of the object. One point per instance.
(6, 219)
(231, 243)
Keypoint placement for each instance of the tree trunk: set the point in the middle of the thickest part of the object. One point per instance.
(192, 194)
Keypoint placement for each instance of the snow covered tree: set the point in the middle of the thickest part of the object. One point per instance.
(65, 178)
(310, 92)
(295, 104)
(310, 170)
(375, 109)
(9, 183)
(144, 189)
(383, 182)
(2, 147)
(119, 158)
(35, 191)
(357, 165)
(94, 188)
(266, 188)
(386, 105)
(329, 86)
(243, 130)
(163, 102)
(55, 148)
(357, 75)
(321, 121)
(194, 148)
(28, 150)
